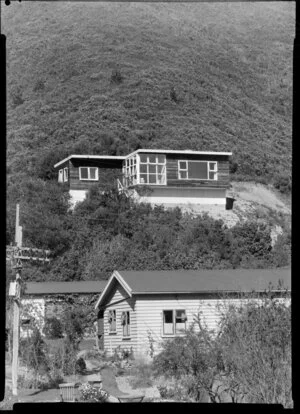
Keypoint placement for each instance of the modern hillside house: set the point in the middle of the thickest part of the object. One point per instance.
(163, 177)
(141, 309)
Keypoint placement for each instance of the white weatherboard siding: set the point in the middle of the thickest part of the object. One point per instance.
(119, 301)
(149, 311)
(196, 196)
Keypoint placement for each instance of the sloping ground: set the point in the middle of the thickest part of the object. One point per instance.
(260, 194)
(251, 202)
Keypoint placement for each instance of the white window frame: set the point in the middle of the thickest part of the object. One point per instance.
(61, 176)
(130, 176)
(66, 174)
(174, 314)
(148, 173)
(209, 170)
(89, 174)
(110, 330)
(126, 326)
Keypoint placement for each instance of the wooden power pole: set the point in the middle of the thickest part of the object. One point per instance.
(18, 253)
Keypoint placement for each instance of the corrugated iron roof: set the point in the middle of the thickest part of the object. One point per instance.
(43, 288)
(188, 281)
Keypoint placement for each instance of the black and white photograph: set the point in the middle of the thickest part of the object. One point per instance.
(148, 202)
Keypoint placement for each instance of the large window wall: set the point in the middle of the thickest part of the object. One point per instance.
(145, 169)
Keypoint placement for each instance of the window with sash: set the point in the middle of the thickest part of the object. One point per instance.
(60, 176)
(66, 174)
(130, 171)
(88, 173)
(112, 321)
(125, 321)
(152, 169)
(145, 169)
(174, 321)
(197, 170)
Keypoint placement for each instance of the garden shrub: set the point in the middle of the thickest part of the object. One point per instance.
(116, 76)
(249, 360)
(90, 393)
(283, 183)
(53, 328)
(80, 365)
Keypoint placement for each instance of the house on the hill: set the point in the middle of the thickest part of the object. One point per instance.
(163, 177)
(44, 300)
(140, 309)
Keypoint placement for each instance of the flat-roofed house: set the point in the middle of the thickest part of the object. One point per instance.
(157, 176)
(141, 309)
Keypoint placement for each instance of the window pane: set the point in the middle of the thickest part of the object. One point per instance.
(182, 165)
(168, 322)
(93, 173)
(152, 158)
(198, 170)
(84, 173)
(212, 175)
(60, 176)
(183, 174)
(152, 178)
(143, 168)
(161, 159)
(65, 174)
(143, 178)
(168, 316)
(213, 166)
(160, 168)
(180, 315)
(152, 169)
(143, 157)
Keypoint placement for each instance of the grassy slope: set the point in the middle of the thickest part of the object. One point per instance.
(230, 64)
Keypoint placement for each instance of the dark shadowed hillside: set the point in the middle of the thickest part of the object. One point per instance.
(102, 77)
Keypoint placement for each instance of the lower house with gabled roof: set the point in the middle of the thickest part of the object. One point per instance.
(140, 309)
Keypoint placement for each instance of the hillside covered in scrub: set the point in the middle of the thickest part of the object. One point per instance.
(109, 78)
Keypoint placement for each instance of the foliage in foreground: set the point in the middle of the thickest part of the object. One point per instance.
(248, 361)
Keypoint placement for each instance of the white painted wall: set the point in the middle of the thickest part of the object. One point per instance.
(33, 308)
(195, 196)
(77, 196)
(149, 311)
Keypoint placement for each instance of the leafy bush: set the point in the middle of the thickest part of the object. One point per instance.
(256, 349)
(17, 96)
(249, 360)
(53, 328)
(39, 85)
(80, 365)
(73, 326)
(116, 76)
(283, 183)
(89, 393)
(142, 375)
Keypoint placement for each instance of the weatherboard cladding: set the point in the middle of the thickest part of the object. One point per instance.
(46, 288)
(188, 281)
(149, 309)
(105, 166)
(172, 171)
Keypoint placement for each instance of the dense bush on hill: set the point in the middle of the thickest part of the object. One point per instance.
(109, 231)
(111, 78)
